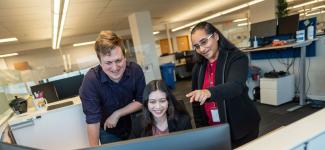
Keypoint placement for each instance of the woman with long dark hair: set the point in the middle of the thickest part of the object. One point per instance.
(161, 113)
(220, 94)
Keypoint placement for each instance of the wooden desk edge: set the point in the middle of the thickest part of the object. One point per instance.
(279, 47)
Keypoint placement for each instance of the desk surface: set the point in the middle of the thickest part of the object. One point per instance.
(32, 112)
(290, 136)
(62, 128)
(294, 45)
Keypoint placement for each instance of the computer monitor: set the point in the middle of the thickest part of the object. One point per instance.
(48, 89)
(179, 55)
(263, 29)
(288, 25)
(68, 87)
(7, 146)
(207, 138)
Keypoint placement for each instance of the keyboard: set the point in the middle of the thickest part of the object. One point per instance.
(55, 106)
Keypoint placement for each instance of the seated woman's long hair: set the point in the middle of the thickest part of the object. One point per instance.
(174, 108)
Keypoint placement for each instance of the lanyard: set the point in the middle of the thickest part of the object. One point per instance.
(210, 75)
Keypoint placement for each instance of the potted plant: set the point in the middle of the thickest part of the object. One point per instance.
(282, 8)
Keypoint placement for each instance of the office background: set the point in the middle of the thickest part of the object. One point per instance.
(31, 22)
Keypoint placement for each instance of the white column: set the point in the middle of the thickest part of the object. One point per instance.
(3, 64)
(144, 45)
(169, 39)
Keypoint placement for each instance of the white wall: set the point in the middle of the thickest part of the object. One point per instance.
(263, 11)
(3, 64)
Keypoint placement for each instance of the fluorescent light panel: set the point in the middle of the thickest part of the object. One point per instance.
(8, 40)
(93, 42)
(84, 43)
(307, 12)
(304, 4)
(218, 14)
(303, 10)
(64, 15)
(243, 24)
(56, 17)
(239, 20)
(318, 7)
(8, 55)
(315, 13)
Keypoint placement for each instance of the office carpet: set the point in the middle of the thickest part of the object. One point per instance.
(273, 117)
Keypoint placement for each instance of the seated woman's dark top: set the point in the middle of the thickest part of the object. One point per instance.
(179, 123)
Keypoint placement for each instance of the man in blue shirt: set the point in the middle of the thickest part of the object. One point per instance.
(111, 91)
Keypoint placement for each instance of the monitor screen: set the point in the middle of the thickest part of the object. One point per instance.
(48, 89)
(263, 29)
(207, 138)
(288, 25)
(68, 87)
(7, 146)
(179, 55)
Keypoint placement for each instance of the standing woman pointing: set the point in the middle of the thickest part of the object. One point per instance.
(220, 93)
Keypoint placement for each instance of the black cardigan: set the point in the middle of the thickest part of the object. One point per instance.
(230, 92)
(138, 128)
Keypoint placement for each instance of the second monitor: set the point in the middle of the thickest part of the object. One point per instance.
(264, 29)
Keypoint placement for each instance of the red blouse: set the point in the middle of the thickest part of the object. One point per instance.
(209, 80)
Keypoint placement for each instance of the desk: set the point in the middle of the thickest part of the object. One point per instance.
(304, 132)
(61, 128)
(302, 66)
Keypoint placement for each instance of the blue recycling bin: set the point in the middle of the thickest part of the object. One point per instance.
(167, 74)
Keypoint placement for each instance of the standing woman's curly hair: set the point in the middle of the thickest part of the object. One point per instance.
(223, 43)
(174, 109)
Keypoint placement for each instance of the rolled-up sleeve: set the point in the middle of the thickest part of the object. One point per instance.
(90, 100)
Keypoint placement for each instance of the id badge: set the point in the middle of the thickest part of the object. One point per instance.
(215, 115)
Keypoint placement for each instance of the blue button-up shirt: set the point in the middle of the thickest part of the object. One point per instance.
(100, 96)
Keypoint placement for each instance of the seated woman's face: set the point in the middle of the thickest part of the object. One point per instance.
(157, 104)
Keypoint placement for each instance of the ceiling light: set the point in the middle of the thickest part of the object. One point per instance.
(318, 7)
(315, 13)
(303, 10)
(254, 2)
(156, 32)
(56, 17)
(218, 14)
(243, 24)
(84, 43)
(64, 15)
(239, 20)
(304, 4)
(8, 40)
(234, 9)
(8, 55)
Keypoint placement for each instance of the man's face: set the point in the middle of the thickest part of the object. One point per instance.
(114, 64)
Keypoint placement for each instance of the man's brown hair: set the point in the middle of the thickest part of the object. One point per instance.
(106, 42)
